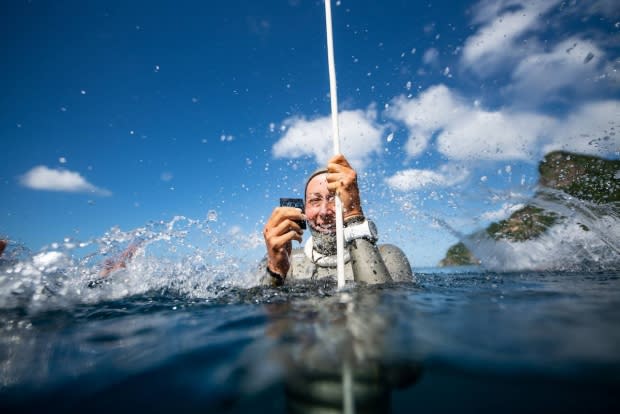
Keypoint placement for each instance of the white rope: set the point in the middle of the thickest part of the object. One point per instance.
(335, 135)
(348, 403)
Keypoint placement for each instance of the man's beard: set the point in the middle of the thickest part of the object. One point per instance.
(324, 243)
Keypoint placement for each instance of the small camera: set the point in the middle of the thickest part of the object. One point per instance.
(297, 203)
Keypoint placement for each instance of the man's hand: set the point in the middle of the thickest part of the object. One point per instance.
(342, 179)
(279, 232)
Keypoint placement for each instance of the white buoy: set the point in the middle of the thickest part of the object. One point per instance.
(336, 138)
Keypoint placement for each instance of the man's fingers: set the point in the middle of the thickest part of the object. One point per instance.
(282, 220)
(281, 214)
(284, 227)
(278, 243)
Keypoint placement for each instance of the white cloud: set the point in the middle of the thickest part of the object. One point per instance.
(498, 42)
(44, 178)
(497, 135)
(469, 132)
(510, 38)
(360, 136)
(415, 179)
(574, 65)
(431, 112)
(466, 131)
(591, 129)
(503, 212)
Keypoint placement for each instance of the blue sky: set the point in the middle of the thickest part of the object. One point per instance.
(116, 114)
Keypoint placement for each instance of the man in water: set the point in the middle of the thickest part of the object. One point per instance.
(364, 260)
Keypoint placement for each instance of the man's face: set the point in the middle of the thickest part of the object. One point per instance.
(320, 207)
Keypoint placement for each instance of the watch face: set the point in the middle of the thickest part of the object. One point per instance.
(373, 230)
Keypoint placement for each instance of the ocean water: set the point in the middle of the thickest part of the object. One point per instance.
(453, 340)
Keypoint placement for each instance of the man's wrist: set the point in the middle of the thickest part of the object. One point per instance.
(353, 219)
(275, 274)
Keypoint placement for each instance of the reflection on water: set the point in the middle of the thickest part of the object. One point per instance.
(337, 354)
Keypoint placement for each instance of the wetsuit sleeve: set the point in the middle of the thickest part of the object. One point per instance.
(367, 263)
(396, 262)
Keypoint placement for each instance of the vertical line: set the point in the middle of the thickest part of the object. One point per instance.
(336, 138)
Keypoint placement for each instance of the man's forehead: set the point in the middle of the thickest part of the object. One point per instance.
(318, 177)
(317, 185)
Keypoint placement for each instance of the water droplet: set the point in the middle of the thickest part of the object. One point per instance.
(62, 160)
(390, 137)
(211, 215)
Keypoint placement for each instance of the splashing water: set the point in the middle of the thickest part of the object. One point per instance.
(182, 257)
(586, 237)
